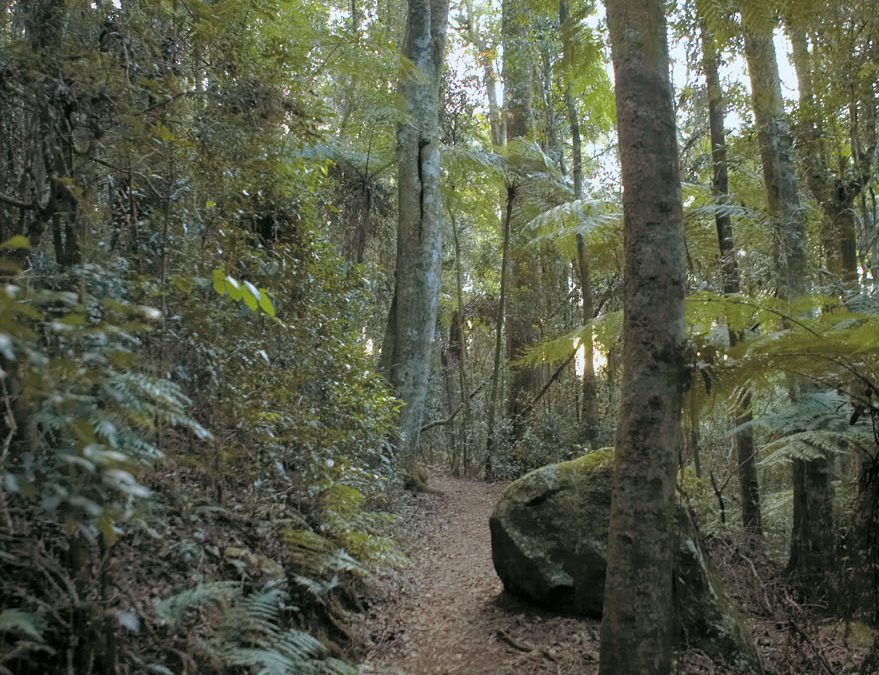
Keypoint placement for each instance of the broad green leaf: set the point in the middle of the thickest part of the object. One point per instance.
(219, 281)
(233, 288)
(251, 302)
(253, 290)
(266, 303)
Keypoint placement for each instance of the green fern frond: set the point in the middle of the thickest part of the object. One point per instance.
(580, 216)
(249, 631)
(173, 609)
(812, 444)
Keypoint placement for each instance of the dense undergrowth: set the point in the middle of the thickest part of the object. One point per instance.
(193, 435)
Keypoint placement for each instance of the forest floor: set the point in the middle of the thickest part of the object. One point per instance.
(448, 613)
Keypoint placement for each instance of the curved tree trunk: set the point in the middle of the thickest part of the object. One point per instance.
(636, 628)
(407, 350)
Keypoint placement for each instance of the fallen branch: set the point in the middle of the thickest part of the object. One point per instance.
(13, 201)
(439, 423)
(555, 376)
(506, 638)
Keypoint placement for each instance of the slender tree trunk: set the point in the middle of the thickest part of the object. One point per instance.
(588, 406)
(636, 628)
(518, 93)
(813, 516)
(406, 354)
(499, 338)
(744, 440)
(462, 356)
(776, 154)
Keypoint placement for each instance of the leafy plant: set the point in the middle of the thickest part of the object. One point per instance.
(234, 630)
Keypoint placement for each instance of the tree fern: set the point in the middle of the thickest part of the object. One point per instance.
(814, 425)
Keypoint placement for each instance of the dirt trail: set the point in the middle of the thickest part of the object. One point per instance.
(448, 614)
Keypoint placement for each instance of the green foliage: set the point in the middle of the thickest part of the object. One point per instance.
(91, 413)
(183, 145)
(238, 630)
(815, 425)
(253, 298)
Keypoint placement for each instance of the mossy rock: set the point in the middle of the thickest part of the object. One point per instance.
(549, 546)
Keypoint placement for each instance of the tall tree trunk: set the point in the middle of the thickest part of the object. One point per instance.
(524, 299)
(493, 401)
(463, 387)
(731, 283)
(406, 353)
(813, 516)
(636, 628)
(836, 196)
(588, 407)
(485, 59)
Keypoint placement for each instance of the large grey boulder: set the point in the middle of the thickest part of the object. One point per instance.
(549, 546)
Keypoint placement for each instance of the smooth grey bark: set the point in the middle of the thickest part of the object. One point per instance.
(406, 353)
(776, 151)
(589, 405)
(811, 537)
(743, 441)
(636, 628)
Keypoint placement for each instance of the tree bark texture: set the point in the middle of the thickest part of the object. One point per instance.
(518, 90)
(776, 150)
(730, 282)
(485, 59)
(406, 354)
(636, 628)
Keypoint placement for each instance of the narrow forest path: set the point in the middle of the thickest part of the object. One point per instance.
(448, 613)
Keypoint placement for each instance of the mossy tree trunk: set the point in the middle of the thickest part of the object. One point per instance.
(407, 349)
(636, 628)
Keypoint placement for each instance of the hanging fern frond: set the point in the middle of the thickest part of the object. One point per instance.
(580, 216)
(812, 426)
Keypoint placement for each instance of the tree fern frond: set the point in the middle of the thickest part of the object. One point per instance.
(580, 216)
